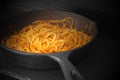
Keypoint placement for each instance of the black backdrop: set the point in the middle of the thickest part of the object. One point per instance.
(104, 12)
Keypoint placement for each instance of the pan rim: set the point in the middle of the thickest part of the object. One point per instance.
(40, 54)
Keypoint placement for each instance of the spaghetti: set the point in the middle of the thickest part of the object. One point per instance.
(46, 36)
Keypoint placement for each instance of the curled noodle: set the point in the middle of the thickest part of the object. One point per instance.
(46, 36)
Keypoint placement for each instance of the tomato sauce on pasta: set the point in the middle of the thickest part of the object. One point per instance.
(47, 36)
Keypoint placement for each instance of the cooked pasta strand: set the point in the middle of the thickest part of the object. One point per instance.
(46, 36)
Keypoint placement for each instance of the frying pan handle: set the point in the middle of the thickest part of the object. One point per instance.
(68, 69)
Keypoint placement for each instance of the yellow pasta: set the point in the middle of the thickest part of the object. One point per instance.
(47, 36)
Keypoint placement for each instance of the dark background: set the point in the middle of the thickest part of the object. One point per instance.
(103, 12)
